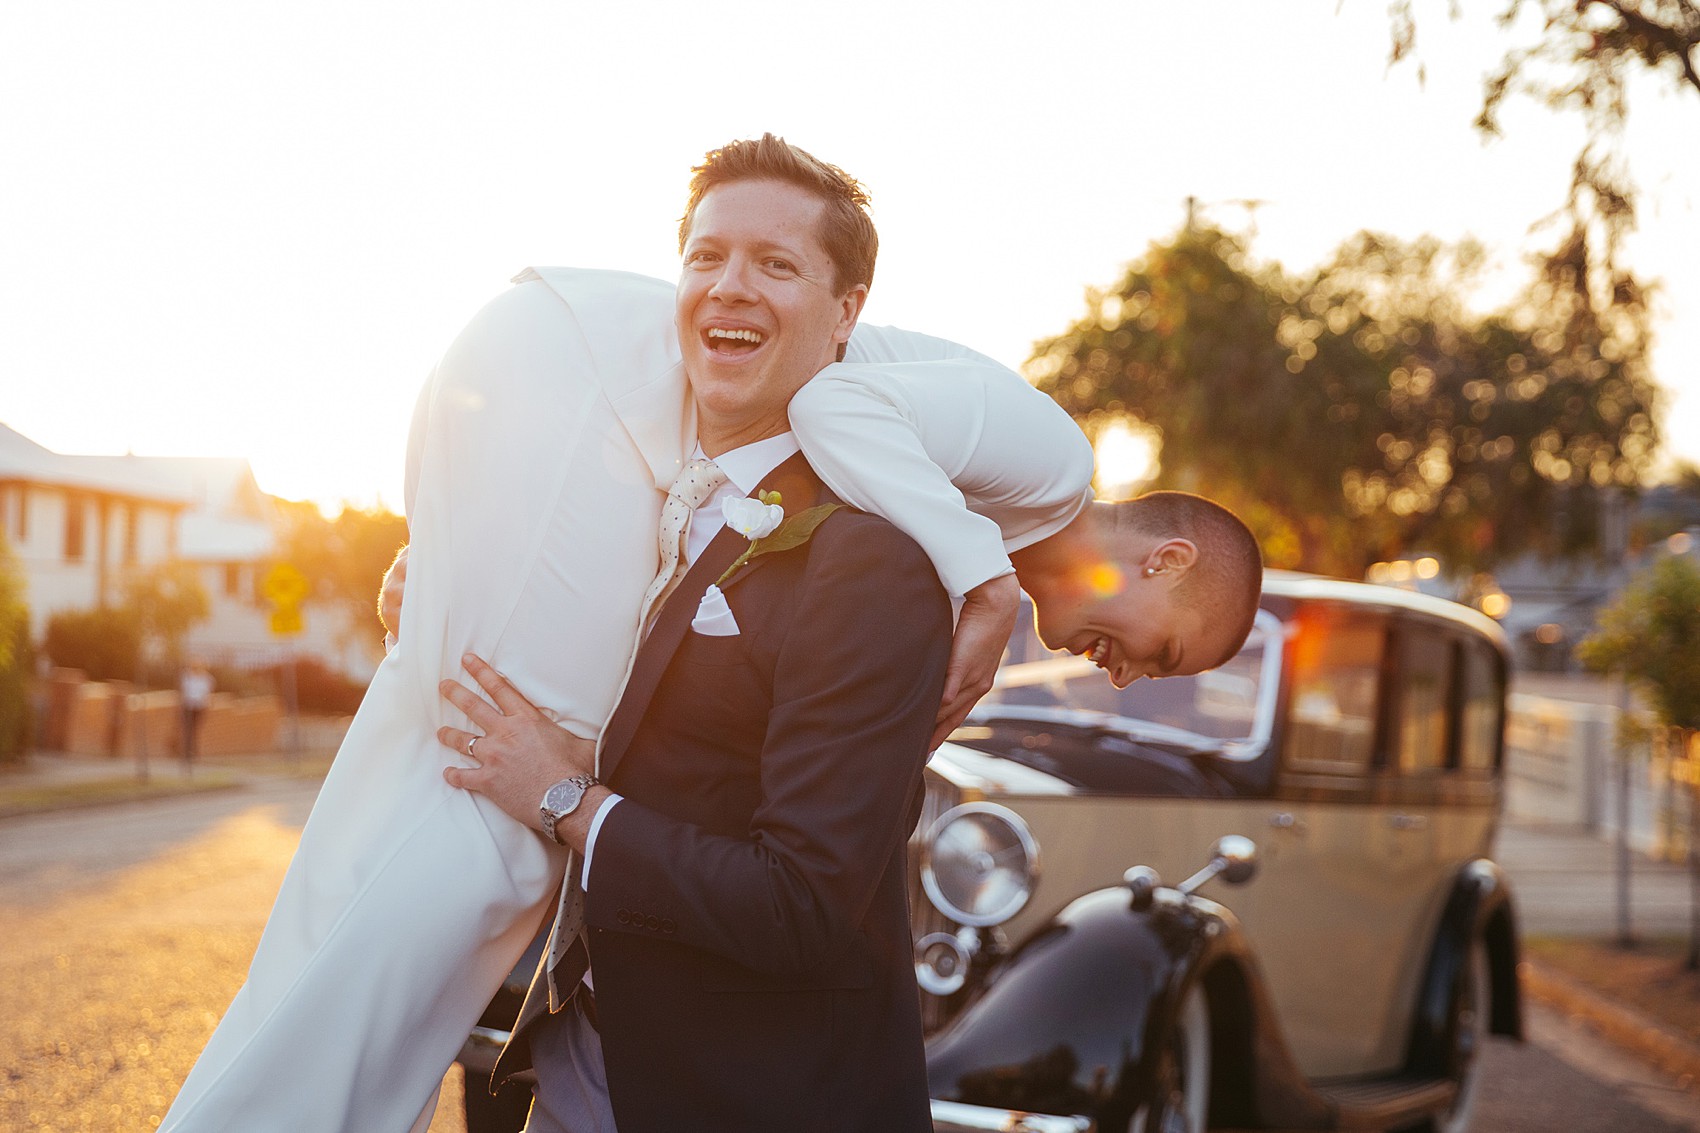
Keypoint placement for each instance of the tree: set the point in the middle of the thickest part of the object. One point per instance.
(343, 558)
(105, 644)
(1580, 62)
(160, 602)
(166, 600)
(1651, 634)
(1360, 411)
(17, 661)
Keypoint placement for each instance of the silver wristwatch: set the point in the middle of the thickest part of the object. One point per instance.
(561, 800)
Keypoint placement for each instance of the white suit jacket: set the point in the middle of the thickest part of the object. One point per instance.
(958, 451)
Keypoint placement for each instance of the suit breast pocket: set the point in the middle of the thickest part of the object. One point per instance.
(704, 651)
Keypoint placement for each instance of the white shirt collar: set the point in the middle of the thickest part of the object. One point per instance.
(746, 465)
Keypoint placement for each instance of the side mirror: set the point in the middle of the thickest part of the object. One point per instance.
(1239, 857)
(1233, 858)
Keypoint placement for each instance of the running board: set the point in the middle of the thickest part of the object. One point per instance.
(1376, 1103)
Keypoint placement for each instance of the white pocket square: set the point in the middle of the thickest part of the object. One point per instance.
(714, 617)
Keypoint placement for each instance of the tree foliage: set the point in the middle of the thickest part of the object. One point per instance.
(1580, 62)
(160, 603)
(166, 600)
(17, 661)
(344, 558)
(1360, 411)
(1651, 633)
(105, 644)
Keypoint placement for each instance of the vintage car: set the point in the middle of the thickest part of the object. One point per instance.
(1339, 783)
(1341, 778)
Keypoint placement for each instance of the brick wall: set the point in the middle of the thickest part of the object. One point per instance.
(105, 718)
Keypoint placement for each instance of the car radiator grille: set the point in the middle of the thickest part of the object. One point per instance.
(924, 919)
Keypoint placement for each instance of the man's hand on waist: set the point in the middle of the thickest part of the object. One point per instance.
(516, 753)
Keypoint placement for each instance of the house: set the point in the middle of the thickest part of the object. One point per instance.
(78, 524)
(229, 534)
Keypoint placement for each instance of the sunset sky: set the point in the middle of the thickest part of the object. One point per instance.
(242, 229)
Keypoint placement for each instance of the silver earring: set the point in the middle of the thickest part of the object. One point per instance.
(1152, 572)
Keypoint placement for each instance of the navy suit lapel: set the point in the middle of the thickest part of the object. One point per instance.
(799, 488)
(663, 640)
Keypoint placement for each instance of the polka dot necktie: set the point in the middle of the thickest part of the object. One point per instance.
(696, 483)
(699, 480)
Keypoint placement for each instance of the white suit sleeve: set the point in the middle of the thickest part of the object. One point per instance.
(960, 453)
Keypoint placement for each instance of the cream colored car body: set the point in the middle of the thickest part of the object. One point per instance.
(1355, 865)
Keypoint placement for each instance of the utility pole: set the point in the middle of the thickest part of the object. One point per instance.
(1625, 929)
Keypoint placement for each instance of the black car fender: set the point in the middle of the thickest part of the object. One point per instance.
(1070, 1020)
(1479, 907)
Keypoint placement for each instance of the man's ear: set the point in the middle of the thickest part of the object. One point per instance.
(849, 310)
(1173, 557)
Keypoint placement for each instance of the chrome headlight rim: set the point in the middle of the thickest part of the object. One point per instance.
(1029, 847)
(927, 973)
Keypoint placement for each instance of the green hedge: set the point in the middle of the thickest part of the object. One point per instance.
(17, 660)
(104, 644)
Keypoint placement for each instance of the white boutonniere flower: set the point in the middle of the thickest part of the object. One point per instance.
(753, 518)
(763, 522)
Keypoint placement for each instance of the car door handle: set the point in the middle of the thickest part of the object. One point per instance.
(1287, 821)
(1408, 821)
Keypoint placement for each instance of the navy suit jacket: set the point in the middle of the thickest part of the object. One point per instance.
(747, 917)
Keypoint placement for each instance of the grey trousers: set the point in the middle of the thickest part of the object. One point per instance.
(571, 1094)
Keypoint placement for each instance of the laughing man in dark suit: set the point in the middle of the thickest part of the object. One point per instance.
(743, 854)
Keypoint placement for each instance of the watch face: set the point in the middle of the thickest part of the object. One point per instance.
(563, 797)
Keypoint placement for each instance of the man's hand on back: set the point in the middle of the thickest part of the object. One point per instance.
(389, 594)
(519, 752)
(982, 631)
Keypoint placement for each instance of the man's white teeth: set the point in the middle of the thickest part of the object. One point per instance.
(1100, 651)
(752, 336)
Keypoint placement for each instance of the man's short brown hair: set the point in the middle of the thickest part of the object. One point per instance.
(1228, 577)
(846, 230)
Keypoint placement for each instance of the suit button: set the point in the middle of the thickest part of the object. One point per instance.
(652, 923)
(667, 925)
(624, 916)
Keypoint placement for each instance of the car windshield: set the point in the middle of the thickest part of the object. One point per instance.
(1225, 708)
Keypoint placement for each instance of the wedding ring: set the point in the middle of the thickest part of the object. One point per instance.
(469, 744)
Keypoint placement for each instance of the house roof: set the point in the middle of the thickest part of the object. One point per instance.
(229, 518)
(226, 517)
(23, 459)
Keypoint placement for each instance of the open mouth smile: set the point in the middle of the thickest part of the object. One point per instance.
(1099, 652)
(733, 340)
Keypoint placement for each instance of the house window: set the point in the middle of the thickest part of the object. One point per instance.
(76, 517)
(132, 519)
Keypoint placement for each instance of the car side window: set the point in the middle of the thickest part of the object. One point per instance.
(1336, 666)
(1484, 709)
(1426, 674)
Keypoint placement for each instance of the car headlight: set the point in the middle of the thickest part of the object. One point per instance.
(980, 864)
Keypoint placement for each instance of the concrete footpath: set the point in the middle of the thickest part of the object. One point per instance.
(1565, 882)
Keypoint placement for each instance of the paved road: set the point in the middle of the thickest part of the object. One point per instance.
(125, 930)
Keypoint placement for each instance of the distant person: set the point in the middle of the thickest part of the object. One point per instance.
(195, 689)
